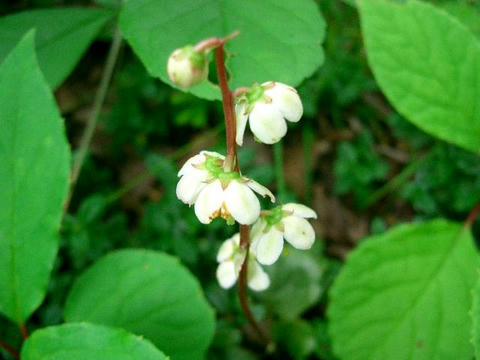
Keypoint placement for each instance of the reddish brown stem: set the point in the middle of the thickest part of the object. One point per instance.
(9, 349)
(227, 100)
(242, 287)
(232, 163)
(472, 216)
(23, 331)
(210, 43)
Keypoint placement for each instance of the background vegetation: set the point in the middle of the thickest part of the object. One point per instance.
(352, 158)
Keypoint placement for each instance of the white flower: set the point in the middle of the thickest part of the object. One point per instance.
(216, 192)
(231, 257)
(187, 67)
(267, 106)
(194, 176)
(283, 222)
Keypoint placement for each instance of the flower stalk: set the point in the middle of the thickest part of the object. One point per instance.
(231, 163)
(228, 110)
(242, 288)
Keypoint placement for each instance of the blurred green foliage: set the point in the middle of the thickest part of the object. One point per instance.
(148, 123)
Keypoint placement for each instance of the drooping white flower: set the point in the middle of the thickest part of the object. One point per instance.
(194, 175)
(231, 257)
(267, 106)
(283, 222)
(187, 67)
(216, 192)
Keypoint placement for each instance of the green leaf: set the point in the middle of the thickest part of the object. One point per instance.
(297, 337)
(150, 294)
(476, 320)
(63, 35)
(280, 39)
(427, 63)
(87, 341)
(34, 173)
(299, 273)
(465, 12)
(406, 294)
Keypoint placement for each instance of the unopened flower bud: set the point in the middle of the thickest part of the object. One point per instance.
(187, 67)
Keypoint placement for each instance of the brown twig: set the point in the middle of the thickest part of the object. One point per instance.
(232, 163)
(472, 216)
(9, 349)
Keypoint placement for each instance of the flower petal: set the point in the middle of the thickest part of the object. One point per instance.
(188, 166)
(226, 274)
(300, 210)
(270, 246)
(188, 188)
(208, 202)
(298, 232)
(267, 123)
(258, 279)
(241, 203)
(238, 260)
(227, 248)
(287, 101)
(241, 117)
(255, 234)
(260, 189)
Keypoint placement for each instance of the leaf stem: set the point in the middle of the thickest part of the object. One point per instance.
(93, 119)
(231, 163)
(472, 216)
(398, 180)
(308, 138)
(23, 331)
(279, 175)
(9, 349)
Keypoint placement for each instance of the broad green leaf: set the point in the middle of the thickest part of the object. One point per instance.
(150, 294)
(34, 177)
(428, 65)
(406, 294)
(476, 320)
(62, 36)
(88, 342)
(280, 39)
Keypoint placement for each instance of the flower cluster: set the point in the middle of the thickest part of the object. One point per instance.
(216, 192)
(231, 257)
(283, 222)
(216, 189)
